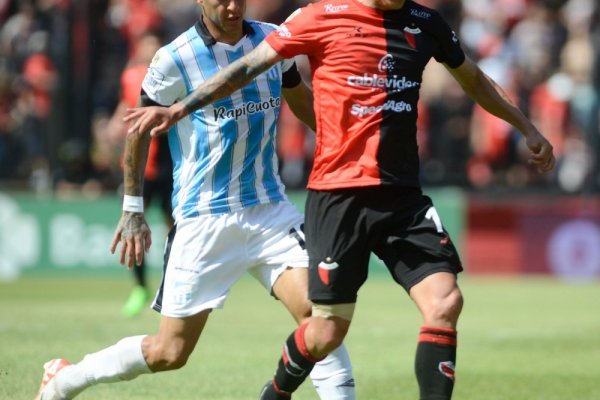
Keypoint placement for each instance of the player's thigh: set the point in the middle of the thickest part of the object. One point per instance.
(291, 288)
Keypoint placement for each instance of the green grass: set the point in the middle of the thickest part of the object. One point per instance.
(523, 339)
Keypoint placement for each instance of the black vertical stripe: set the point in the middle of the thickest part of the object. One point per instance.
(398, 153)
(159, 296)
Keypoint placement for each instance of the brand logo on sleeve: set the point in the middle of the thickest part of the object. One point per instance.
(420, 13)
(330, 8)
(283, 31)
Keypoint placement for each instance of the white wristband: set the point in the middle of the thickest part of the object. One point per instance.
(133, 203)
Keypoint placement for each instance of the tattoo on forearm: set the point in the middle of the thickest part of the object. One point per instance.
(227, 81)
(136, 153)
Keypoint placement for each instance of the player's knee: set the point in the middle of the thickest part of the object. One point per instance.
(332, 337)
(447, 309)
(327, 335)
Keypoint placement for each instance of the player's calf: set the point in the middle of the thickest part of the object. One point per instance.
(435, 363)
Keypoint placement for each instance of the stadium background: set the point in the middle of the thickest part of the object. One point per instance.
(60, 62)
(530, 243)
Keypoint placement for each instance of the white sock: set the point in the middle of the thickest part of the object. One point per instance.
(122, 361)
(333, 378)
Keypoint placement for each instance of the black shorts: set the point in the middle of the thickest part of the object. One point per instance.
(399, 225)
(159, 190)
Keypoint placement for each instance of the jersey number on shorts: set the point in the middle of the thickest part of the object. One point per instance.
(433, 215)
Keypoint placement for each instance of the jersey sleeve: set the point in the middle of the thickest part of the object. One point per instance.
(290, 77)
(163, 82)
(449, 51)
(296, 35)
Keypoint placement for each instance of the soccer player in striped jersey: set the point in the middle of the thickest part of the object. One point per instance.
(231, 213)
(367, 59)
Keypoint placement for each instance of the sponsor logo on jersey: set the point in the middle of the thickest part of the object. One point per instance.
(223, 112)
(330, 8)
(409, 35)
(325, 268)
(447, 368)
(390, 105)
(356, 32)
(420, 13)
(394, 83)
(387, 63)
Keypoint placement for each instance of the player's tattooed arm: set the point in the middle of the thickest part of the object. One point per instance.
(232, 78)
(132, 230)
(220, 85)
(134, 161)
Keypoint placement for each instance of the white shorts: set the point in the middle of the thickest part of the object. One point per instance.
(205, 256)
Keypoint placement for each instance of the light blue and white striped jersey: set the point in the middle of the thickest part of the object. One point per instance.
(224, 156)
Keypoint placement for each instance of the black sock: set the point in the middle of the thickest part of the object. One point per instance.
(139, 273)
(295, 364)
(435, 362)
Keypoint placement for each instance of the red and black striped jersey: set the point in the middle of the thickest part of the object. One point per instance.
(367, 66)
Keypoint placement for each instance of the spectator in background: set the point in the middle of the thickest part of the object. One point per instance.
(444, 119)
(274, 11)
(177, 14)
(10, 148)
(14, 36)
(514, 37)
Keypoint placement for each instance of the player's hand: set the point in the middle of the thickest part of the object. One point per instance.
(541, 152)
(135, 237)
(155, 119)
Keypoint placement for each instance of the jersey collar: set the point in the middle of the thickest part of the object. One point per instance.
(209, 40)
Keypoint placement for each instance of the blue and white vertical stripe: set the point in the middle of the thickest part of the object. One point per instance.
(224, 154)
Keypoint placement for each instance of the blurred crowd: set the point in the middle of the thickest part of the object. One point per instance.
(61, 61)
